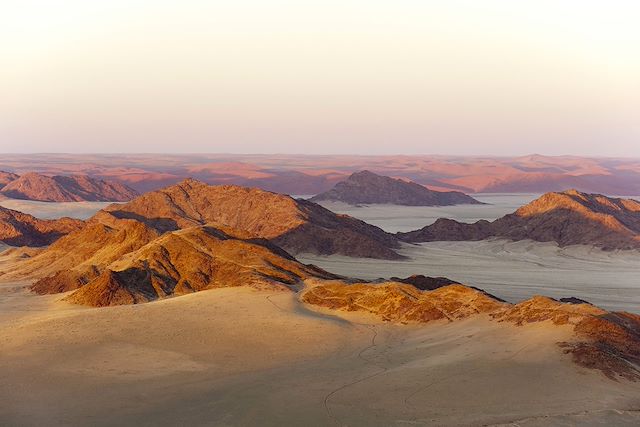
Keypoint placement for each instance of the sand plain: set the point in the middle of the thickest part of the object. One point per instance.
(237, 356)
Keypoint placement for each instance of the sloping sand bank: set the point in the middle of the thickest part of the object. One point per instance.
(245, 357)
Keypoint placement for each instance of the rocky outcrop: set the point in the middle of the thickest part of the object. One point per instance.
(73, 188)
(399, 302)
(20, 229)
(81, 256)
(369, 188)
(607, 341)
(295, 225)
(192, 260)
(567, 218)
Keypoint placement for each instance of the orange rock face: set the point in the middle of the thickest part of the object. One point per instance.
(401, 302)
(82, 255)
(193, 260)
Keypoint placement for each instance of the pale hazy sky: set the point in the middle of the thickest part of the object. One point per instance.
(330, 76)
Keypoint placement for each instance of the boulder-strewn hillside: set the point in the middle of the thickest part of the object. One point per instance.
(192, 260)
(608, 341)
(72, 188)
(568, 218)
(20, 229)
(369, 188)
(295, 225)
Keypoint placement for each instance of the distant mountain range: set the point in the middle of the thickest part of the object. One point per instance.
(58, 188)
(567, 218)
(308, 174)
(301, 226)
(366, 187)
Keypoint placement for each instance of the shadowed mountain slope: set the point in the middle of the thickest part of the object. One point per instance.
(296, 225)
(366, 187)
(567, 218)
(20, 229)
(80, 256)
(7, 177)
(72, 188)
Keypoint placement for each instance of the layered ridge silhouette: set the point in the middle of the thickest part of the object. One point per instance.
(366, 187)
(567, 218)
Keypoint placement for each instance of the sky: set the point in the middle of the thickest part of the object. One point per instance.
(483, 77)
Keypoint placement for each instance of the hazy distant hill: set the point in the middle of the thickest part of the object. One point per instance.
(72, 188)
(366, 187)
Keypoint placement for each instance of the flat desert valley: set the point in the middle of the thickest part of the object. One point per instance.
(242, 356)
